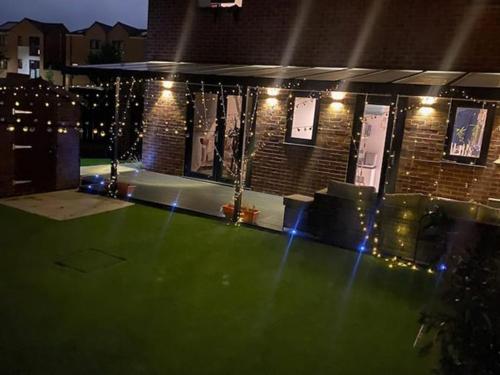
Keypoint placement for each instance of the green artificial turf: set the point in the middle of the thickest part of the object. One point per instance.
(92, 162)
(191, 295)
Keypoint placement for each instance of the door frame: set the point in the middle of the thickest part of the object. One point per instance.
(357, 128)
(217, 168)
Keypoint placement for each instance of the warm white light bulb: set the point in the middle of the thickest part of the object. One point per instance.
(168, 85)
(338, 95)
(273, 91)
(428, 100)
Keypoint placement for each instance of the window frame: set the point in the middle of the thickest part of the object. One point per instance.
(20, 64)
(34, 48)
(290, 114)
(95, 42)
(3, 40)
(488, 128)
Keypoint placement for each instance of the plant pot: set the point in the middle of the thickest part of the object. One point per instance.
(247, 215)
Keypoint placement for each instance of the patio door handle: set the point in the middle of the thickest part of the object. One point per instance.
(21, 147)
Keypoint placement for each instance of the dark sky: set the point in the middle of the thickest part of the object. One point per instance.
(76, 14)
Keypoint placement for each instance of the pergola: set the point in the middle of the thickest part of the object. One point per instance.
(479, 86)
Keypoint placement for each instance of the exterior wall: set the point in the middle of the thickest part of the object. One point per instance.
(164, 151)
(78, 45)
(429, 173)
(284, 169)
(435, 33)
(24, 30)
(134, 49)
(77, 49)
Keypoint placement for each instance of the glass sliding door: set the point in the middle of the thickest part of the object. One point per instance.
(204, 134)
(372, 142)
(231, 135)
(214, 136)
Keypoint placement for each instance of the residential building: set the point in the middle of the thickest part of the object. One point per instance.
(33, 48)
(355, 108)
(128, 39)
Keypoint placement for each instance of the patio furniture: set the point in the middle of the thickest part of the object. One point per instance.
(297, 212)
(337, 213)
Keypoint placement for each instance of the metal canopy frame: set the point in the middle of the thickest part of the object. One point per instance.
(479, 85)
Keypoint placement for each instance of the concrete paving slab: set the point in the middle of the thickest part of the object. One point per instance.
(64, 205)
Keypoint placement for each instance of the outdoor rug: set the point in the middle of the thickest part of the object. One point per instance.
(64, 205)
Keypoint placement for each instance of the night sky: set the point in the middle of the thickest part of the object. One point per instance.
(76, 14)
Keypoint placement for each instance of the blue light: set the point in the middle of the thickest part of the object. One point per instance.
(362, 248)
(294, 232)
(89, 187)
(174, 204)
(129, 195)
(102, 182)
(442, 267)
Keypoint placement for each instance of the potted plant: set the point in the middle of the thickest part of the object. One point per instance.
(248, 215)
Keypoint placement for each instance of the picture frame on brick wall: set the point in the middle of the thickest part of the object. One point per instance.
(469, 132)
(302, 118)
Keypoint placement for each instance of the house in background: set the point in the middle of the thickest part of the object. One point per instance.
(33, 48)
(129, 40)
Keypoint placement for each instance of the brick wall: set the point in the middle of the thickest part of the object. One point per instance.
(429, 172)
(419, 34)
(283, 169)
(164, 136)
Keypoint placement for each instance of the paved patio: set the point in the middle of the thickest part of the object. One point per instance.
(193, 194)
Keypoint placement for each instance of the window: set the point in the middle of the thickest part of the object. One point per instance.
(220, 3)
(3, 40)
(117, 44)
(469, 132)
(95, 44)
(19, 64)
(19, 40)
(3, 64)
(34, 69)
(302, 119)
(34, 46)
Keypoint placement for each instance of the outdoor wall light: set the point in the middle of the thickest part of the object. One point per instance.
(273, 91)
(166, 94)
(337, 106)
(425, 111)
(338, 95)
(428, 100)
(272, 102)
(168, 85)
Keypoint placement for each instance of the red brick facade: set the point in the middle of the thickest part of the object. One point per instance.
(259, 34)
(165, 130)
(424, 170)
(280, 168)
(443, 35)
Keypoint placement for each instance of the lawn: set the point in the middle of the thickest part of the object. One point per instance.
(191, 295)
(92, 162)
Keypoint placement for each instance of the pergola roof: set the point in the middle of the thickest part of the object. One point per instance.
(412, 82)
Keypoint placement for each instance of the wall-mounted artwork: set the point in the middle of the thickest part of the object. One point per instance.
(468, 132)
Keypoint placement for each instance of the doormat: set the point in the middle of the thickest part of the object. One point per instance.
(89, 260)
(65, 204)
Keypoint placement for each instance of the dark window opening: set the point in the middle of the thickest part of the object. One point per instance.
(19, 64)
(95, 44)
(34, 69)
(34, 46)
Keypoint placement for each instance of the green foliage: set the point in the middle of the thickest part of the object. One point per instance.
(108, 54)
(467, 324)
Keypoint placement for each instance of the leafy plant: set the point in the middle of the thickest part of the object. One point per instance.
(107, 54)
(466, 326)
